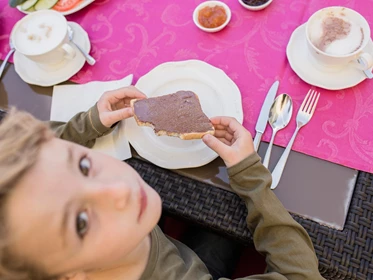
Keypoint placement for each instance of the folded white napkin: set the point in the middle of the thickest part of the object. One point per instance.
(68, 100)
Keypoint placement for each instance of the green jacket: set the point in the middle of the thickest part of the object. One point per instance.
(285, 244)
(84, 128)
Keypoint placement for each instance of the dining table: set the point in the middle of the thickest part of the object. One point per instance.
(327, 184)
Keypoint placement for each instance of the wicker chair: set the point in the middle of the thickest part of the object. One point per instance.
(346, 254)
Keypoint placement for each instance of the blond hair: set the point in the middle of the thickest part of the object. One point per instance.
(21, 138)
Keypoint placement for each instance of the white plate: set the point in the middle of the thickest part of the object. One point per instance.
(31, 73)
(78, 7)
(304, 66)
(218, 94)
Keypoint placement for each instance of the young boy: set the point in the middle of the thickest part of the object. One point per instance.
(68, 212)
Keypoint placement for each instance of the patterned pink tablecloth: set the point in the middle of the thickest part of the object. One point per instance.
(134, 36)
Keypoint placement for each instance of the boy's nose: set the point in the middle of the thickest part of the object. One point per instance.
(116, 194)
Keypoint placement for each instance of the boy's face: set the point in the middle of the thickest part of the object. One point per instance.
(80, 210)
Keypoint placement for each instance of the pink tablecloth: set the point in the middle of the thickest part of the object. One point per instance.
(136, 35)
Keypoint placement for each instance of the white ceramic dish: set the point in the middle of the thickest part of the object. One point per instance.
(78, 7)
(31, 72)
(218, 94)
(211, 4)
(255, 8)
(312, 73)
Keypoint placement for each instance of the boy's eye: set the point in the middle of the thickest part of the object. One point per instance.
(82, 224)
(85, 165)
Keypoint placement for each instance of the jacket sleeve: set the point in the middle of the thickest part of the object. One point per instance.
(285, 244)
(82, 129)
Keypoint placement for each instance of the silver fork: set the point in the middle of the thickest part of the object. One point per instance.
(304, 115)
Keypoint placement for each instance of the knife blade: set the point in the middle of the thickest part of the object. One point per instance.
(264, 113)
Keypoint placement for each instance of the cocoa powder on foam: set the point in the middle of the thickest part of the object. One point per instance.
(335, 28)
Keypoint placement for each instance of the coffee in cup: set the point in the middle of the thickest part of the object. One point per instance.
(337, 36)
(42, 37)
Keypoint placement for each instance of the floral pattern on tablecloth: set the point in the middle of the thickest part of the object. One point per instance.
(134, 36)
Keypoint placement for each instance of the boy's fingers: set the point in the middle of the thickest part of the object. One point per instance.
(228, 123)
(222, 120)
(222, 127)
(215, 145)
(223, 134)
(225, 141)
(118, 115)
(122, 93)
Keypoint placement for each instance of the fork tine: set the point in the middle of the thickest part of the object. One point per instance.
(315, 103)
(305, 102)
(312, 99)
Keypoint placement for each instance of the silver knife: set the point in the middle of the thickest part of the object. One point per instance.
(264, 113)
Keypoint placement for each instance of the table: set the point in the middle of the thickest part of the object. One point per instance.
(201, 195)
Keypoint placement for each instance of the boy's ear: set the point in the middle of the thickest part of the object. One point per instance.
(74, 276)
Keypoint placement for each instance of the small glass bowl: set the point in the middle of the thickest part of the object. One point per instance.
(255, 8)
(212, 4)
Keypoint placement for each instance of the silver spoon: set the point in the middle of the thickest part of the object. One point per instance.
(279, 117)
(367, 72)
(88, 58)
(12, 49)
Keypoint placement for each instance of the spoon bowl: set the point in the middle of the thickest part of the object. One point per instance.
(279, 117)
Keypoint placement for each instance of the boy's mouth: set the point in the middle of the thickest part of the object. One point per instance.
(143, 202)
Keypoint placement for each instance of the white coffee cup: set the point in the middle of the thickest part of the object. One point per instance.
(42, 37)
(354, 33)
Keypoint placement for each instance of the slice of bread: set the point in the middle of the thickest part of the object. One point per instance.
(178, 114)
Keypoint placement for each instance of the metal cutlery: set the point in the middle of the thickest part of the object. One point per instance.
(12, 49)
(304, 115)
(279, 118)
(263, 115)
(88, 57)
(368, 73)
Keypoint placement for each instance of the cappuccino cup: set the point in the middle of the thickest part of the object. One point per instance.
(42, 37)
(336, 39)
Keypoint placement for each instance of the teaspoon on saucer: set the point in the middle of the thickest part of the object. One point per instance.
(279, 117)
(12, 49)
(88, 58)
(368, 72)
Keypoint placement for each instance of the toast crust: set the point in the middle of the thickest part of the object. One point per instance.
(183, 136)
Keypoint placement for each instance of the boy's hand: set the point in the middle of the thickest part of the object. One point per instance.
(114, 106)
(231, 140)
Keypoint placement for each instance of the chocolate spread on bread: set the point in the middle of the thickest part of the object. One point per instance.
(178, 113)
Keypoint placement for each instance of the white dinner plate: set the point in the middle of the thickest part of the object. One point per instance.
(218, 94)
(78, 7)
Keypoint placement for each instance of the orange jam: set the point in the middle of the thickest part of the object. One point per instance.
(211, 17)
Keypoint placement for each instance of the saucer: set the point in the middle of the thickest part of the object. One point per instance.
(302, 64)
(32, 73)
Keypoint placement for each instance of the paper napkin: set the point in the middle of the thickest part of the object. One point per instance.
(68, 100)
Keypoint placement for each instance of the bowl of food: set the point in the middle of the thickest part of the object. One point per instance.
(255, 5)
(212, 16)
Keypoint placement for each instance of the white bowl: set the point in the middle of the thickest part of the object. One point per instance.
(255, 8)
(211, 4)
